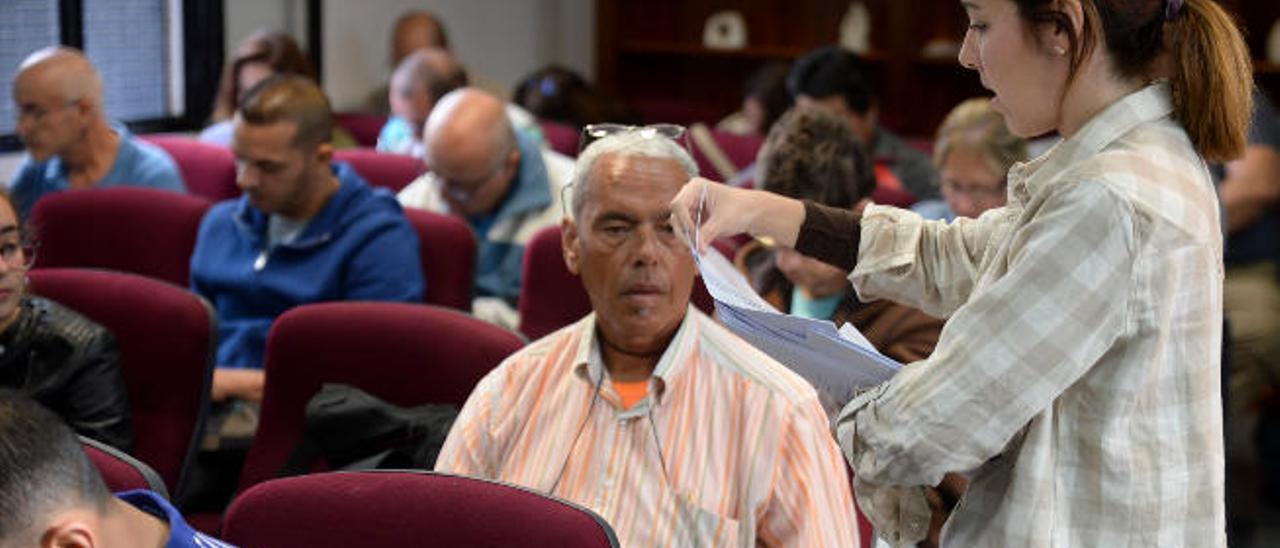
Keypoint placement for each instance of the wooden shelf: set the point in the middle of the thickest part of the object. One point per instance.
(782, 53)
(1268, 68)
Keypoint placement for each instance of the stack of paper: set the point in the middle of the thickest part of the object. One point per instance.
(837, 363)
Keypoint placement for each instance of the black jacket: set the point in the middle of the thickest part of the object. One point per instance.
(70, 365)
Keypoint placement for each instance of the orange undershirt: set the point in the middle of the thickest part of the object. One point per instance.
(631, 392)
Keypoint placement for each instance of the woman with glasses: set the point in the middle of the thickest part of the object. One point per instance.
(1077, 381)
(973, 153)
(58, 357)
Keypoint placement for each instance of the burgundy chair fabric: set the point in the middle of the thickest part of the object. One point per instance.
(132, 229)
(165, 335)
(406, 354)
(401, 508)
(448, 250)
(562, 138)
(364, 127)
(391, 171)
(209, 171)
(741, 150)
(551, 297)
(120, 471)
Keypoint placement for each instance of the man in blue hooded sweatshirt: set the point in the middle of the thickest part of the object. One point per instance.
(304, 231)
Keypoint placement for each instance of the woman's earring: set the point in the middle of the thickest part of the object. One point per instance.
(1059, 50)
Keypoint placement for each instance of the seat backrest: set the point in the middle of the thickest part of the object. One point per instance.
(403, 508)
(165, 335)
(209, 171)
(405, 354)
(120, 471)
(363, 127)
(551, 297)
(448, 250)
(132, 229)
(390, 171)
(739, 150)
(562, 138)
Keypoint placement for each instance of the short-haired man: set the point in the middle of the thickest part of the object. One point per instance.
(417, 83)
(499, 180)
(833, 78)
(672, 428)
(70, 144)
(52, 496)
(306, 230)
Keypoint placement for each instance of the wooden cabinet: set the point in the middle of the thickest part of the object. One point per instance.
(650, 53)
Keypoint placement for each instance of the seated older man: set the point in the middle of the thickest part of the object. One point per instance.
(417, 83)
(647, 411)
(70, 144)
(499, 180)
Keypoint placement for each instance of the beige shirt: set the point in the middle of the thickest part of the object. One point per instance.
(1077, 381)
(729, 448)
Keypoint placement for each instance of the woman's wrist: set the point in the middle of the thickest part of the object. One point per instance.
(776, 217)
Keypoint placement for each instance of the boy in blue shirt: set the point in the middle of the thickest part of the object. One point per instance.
(52, 495)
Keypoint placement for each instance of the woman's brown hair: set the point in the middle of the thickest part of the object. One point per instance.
(1207, 62)
(275, 48)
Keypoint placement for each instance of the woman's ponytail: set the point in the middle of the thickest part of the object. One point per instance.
(1212, 78)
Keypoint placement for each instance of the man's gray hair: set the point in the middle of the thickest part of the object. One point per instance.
(630, 143)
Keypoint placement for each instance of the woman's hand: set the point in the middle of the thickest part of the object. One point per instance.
(726, 211)
(245, 384)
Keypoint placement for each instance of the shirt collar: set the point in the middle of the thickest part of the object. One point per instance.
(588, 363)
(1148, 104)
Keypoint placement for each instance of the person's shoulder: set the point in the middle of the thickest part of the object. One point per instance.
(750, 365)
(55, 322)
(552, 355)
(423, 193)
(151, 164)
(29, 173)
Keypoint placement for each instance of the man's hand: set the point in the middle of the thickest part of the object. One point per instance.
(245, 384)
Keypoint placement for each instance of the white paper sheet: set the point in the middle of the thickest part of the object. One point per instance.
(837, 362)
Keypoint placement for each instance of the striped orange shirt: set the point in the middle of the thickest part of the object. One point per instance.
(728, 448)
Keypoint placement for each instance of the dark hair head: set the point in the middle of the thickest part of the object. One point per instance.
(289, 98)
(1208, 62)
(812, 154)
(275, 48)
(833, 71)
(768, 85)
(42, 467)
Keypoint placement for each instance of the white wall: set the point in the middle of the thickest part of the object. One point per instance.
(499, 42)
(241, 17)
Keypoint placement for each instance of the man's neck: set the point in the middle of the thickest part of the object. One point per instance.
(631, 364)
(324, 190)
(133, 527)
(90, 159)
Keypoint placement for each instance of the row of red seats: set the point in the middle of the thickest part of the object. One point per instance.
(384, 508)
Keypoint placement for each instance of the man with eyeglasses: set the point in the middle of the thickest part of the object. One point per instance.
(499, 180)
(648, 412)
(70, 144)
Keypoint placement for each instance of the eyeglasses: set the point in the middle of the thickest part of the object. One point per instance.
(37, 113)
(463, 191)
(595, 132)
(18, 255)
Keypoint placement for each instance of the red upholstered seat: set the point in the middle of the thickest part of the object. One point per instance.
(740, 149)
(132, 229)
(120, 471)
(562, 138)
(551, 297)
(363, 127)
(395, 508)
(406, 354)
(448, 250)
(209, 171)
(165, 337)
(391, 171)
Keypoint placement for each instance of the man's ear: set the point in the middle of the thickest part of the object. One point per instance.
(569, 244)
(71, 533)
(324, 153)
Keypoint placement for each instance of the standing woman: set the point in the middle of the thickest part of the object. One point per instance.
(1076, 382)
